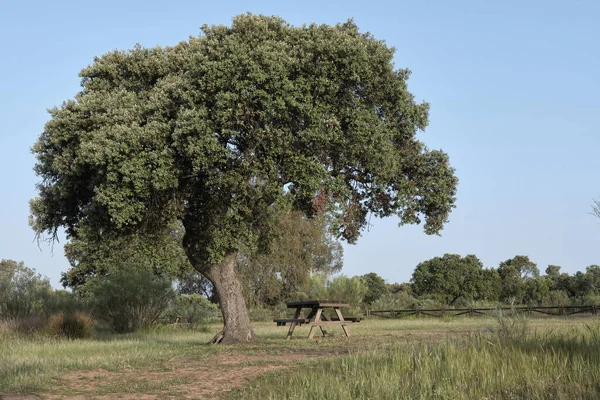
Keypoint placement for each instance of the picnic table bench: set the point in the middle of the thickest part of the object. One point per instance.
(316, 318)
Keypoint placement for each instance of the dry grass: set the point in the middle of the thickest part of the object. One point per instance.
(176, 363)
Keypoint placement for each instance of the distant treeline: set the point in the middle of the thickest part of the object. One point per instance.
(452, 280)
(116, 297)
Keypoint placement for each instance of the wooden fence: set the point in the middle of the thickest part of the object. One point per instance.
(442, 312)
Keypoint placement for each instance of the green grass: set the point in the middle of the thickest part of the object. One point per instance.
(546, 363)
(32, 365)
(425, 358)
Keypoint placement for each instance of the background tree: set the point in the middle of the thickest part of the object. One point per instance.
(536, 289)
(400, 287)
(301, 247)
(559, 281)
(217, 130)
(196, 283)
(376, 287)
(593, 276)
(489, 286)
(23, 292)
(552, 271)
(585, 286)
(514, 273)
(449, 278)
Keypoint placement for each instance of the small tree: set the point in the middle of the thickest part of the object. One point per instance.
(301, 247)
(23, 292)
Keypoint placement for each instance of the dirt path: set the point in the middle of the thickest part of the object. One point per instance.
(176, 379)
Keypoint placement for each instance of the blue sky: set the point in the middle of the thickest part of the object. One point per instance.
(514, 88)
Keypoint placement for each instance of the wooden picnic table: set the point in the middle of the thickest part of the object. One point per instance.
(316, 318)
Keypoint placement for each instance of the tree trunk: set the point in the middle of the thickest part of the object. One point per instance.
(233, 307)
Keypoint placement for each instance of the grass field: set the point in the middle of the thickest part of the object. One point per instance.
(458, 358)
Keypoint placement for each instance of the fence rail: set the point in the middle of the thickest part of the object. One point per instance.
(442, 312)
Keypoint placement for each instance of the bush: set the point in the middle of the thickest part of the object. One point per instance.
(263, 314)
(130, 298)
(395, 301)
(30, 326)
(7, 329)
(591, 299)
(194, 309)
(62, 301)
(75, 325)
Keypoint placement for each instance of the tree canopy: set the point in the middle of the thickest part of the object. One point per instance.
(92, 257)
(451, 277)
(223, 130)
(376, 287)
(514, 274)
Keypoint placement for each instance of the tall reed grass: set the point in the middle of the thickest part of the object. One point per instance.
(506, 363)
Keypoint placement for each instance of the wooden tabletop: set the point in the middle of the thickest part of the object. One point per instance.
(317, 303)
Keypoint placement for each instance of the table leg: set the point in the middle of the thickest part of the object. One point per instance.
(339, 314)
(293, 324)
(312, 313)
(324, 318)
(312, 327)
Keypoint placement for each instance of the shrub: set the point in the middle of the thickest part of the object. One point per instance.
(556, 298)
(30, 325)
(76, 325)
(7, 329)
(591, 299)
(194, 309)
(259, 313)
(395, 301)
(62, 301)
(130, 298)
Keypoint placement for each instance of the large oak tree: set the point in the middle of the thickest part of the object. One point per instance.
(221, 130)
